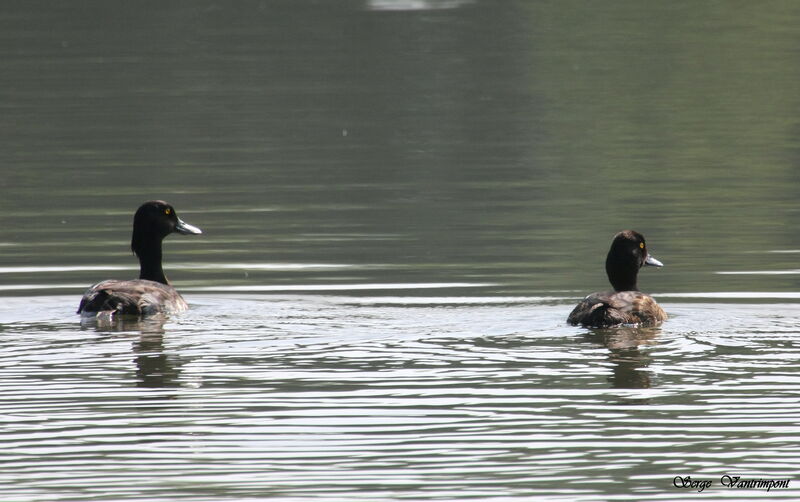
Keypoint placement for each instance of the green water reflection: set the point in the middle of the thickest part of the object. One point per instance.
(500, 143)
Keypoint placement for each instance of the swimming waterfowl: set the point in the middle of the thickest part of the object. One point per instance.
(626, 304)
(151, 293)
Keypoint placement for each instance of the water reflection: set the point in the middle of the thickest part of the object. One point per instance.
(404, 388)
(491, 148)
(626, 355)
(409, 5)
(155, 368)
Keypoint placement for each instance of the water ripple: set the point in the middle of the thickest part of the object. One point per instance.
(326, 397)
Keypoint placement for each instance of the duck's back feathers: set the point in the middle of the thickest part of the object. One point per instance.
(613, 308)
(137, 297)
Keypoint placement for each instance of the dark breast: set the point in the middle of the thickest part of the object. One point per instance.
(614, 308)
(138, 297)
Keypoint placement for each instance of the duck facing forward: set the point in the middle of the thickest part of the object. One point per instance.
(626, 304)
(151, 293)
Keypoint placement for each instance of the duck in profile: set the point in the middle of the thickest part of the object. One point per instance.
(151, 293)
(626, 304)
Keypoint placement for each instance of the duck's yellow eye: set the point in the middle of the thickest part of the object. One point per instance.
(167, 211)
(641, 244)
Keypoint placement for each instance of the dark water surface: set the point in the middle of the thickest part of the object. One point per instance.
(402, 201)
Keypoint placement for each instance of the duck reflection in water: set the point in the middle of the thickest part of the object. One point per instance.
(155, 368)
(629, 361)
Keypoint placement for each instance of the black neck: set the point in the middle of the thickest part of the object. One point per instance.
(150, 262)
(622, 274)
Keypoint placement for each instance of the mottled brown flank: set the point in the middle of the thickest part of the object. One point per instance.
(612, 308)
(138, 297)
